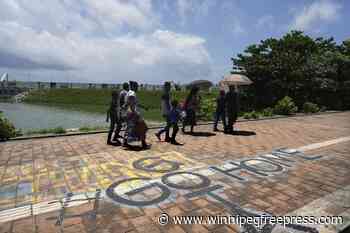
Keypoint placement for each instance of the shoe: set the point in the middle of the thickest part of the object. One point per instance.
(109, 143)
(158, 136)
(167, 140)
(215, 130)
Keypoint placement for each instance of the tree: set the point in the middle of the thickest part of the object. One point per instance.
(298, 66)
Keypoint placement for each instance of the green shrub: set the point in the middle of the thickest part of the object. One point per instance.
(267, 112)
(207, 108)
(285, 106)
(247, 115)
(252, 115)
(309, 107)
(7, 129)
(255, 115)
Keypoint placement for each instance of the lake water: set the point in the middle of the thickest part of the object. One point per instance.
(28, 116)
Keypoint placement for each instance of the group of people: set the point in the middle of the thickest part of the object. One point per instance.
(125, 110)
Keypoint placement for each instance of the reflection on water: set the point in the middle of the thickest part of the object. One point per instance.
(27, 116)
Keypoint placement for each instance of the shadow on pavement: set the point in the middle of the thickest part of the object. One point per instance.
(243, 133)
(201, 134)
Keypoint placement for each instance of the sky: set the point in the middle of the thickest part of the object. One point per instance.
(150, 41)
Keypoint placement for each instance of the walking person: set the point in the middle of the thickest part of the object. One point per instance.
(220, 111)
(113, 115)
(231, 105)
(173, 119)
(123, 94)
(191, 106)
(166, 107)
(123, 106)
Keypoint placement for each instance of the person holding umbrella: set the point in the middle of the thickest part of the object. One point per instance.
(220, 113)
(231, 107)
(231, 98)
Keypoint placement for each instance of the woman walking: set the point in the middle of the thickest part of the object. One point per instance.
(113, 115)
(191, 107)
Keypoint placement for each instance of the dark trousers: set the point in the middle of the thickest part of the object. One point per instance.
(166, 128)
(175, 130)
(220, 115)
(232, 118)
(115, 128)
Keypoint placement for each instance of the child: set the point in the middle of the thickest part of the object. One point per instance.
(174, 118)
(113, 114)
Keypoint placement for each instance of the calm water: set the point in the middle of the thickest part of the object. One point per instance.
(27, 116)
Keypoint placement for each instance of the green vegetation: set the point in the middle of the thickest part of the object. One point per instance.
(97, 100)
(298, 66)
(58, 130)
(92, 128)
(285, 106)
(310, 108)
(7, 130)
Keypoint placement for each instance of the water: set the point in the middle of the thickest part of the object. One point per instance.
(30, 117)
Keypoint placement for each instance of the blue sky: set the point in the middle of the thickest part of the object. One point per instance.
(150, 41)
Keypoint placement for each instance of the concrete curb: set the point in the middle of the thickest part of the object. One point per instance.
(158, 127)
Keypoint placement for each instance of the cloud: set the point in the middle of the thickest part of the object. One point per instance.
(315, 14)
(110, 42)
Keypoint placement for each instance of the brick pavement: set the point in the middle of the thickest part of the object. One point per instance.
(36, 172)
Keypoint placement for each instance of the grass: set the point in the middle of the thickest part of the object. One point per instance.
(58, 130)
(92, 128)
(97, 100)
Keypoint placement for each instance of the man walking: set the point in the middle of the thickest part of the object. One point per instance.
(220, 111)
(166, 107)
(231, 104)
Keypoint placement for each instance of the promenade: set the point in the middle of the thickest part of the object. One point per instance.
(298, 166)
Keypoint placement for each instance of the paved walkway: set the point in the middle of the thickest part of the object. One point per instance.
(210, 175)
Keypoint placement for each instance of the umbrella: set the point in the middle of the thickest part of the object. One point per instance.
(235, 79)
(203, 84)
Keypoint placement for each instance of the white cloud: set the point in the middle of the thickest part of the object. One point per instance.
(110, 42)
(319, 12)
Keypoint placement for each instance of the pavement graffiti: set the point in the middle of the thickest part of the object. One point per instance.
(83, 173)
(265, 165)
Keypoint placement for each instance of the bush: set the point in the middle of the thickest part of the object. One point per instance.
(285, 106)
(267, 112)
(252, 115)
(7, 129)
(309, 107)
(247, 115)
(207, 108)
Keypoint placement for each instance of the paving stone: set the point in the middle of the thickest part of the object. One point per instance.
(34, 171)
